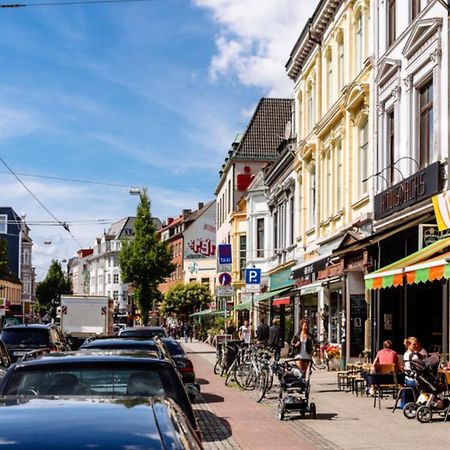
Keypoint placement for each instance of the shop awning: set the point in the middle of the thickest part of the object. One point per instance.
(267, 295)
(242, 306)
(207, 312)
(281, 301)
(420, 266)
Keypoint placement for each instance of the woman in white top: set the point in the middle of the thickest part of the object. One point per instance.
(414, 352)
(303, 345)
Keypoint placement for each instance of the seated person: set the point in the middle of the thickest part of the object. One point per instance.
(386, 356)
(66, 384)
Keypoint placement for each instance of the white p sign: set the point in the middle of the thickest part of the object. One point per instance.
(253, 276)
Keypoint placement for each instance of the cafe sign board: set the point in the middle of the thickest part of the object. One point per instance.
(421, 185)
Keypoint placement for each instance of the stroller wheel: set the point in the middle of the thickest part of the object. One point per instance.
(312, 411)
(410, 410)
(281, 411)
(424, 414)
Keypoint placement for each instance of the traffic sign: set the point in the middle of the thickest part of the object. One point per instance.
(224, 291)
(224, 253)
(224, 268)
(253, 276)
(224, 279)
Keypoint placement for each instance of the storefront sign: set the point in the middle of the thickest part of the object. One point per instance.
(429, 233)
(309, 271)
(419, 186)
(280, 280)
(358, 317)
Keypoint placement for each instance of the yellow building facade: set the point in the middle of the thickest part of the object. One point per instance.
(331, 66)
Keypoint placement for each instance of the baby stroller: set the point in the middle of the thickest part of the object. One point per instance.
(294, 391)
(431, 388)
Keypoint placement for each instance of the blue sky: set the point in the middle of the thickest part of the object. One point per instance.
(140, 94)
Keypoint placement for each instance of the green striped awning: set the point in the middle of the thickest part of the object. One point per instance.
(418, 267)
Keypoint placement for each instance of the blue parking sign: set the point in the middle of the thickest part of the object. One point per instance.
(253, 276)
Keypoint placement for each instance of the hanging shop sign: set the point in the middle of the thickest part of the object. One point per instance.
(419, 186)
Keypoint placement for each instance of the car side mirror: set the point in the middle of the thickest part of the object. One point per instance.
(193, 390)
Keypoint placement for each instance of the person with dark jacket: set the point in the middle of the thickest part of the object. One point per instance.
(275, 340)
(262, 332)
(304, 346)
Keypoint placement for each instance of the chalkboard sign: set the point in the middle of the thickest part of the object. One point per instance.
(358, 317)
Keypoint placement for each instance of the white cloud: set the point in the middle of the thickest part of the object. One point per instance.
(255, 39)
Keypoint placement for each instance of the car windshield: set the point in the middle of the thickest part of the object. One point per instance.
(92, 381)
(174, 347)
(143, 333)
(25, 336)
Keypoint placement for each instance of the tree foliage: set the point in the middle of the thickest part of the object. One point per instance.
(145, 261)
(184, 299)
(53, 286)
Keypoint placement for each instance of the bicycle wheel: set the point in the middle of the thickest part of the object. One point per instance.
(261, 385)
(217, 367)
(244, 375)
(231, 374)
(319, 362)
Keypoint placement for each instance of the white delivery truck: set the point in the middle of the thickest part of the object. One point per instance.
(83, 316)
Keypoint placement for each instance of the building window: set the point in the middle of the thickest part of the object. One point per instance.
(426, 124)
(242, 254)
(330, 78)
(229, 196)
(191, 280)
(391, 22)
(3, 224)
(291, 220)
(363, 149)
(115, 278)
(415, 8)
(205, 281)
(312, 197)
(359, 57)
(275, 232)
(115, 295)
(109, 278)
(341, 62)
(310, 109)
(339, 178)
(260, 238)
(391, 147)
(300, 115)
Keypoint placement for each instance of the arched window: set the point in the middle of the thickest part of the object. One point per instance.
(310, 107)
(341, 61)
(330, 90)
(312, 196)
(359, 41)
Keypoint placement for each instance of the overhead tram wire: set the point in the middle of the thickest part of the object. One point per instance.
(63, 224)
(73, 180)
(81, 2)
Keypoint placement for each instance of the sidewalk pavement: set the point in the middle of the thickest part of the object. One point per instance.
(343, 420)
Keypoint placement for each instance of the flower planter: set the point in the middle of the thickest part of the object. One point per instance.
(334, 364)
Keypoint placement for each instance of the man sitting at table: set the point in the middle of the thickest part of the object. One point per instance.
(386, 356)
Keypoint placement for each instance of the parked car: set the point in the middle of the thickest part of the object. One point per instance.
(165, 348)
(143, 332)
(183, 363)
(93, 373)
(21, 339)
(127, 343)
(6, 358)
(80, 423)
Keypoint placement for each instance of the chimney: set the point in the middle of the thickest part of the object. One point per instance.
(169, 220)
(200, 205)
(186, 212)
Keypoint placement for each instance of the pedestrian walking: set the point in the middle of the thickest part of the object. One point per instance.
(245, 333)
(186, 331)
(230, 328)
(275, 341)
(262, 332)
(303, 345)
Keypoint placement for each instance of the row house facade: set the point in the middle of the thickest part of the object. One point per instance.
(248, 155)
(331, 66)
(411, 129)
(15, 231)
(199, 242)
